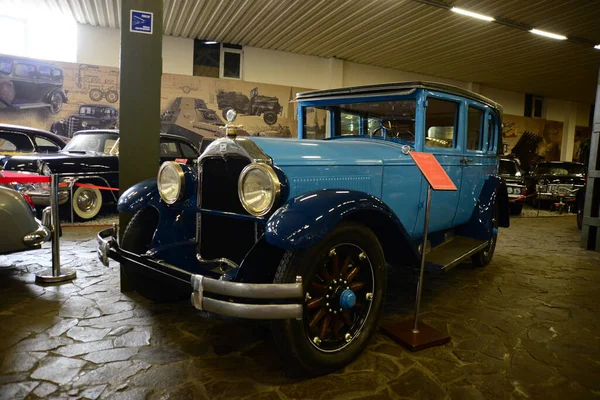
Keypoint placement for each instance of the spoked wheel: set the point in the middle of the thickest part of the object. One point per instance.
(344, 280)
(484, 257)
(339, 298)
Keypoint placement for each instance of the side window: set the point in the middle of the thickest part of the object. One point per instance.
(25, 71)
(475, 128)
(441, 121)
(56, 74)
(492, 125)
(15, 142)
(169, 149)
(316, 122)
(187, 150)
(349, 124)
(45, 145)
(44, 72)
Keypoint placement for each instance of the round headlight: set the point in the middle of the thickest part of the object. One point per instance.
(170, 182)
(258, 188)
(46, 170)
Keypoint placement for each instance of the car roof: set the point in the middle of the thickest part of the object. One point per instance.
(116, 131)
(390, 88)
(560, 162)
(29, 61)
(97, 105)
(28, 130)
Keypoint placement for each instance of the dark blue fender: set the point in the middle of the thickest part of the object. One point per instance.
(493, 194)
(138, 196)
(305, 220)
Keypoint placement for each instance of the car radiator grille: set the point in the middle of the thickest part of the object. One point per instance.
(74, 124)
(221, 236)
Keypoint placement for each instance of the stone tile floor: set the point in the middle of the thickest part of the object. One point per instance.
(527, 326)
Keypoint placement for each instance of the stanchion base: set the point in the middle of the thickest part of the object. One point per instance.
(427, 336)
(45, 276)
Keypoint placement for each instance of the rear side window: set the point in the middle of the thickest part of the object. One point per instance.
(441, 121)
(475, 126)
(44, 72)
(45, 144)
(25, 71)
(187, 150)
(169, 149)
(15, 142)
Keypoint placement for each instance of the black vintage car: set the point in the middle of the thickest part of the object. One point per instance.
(510, 171)
(18, 140)
(90, 116)
(555, 181)
(26, 83)
(267, 106)
(94, 155)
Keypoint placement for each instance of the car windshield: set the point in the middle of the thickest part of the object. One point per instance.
(96, 142)
(389, 119)
(560, 169)
(507, 167)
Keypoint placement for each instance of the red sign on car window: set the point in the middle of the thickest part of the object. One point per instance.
(433, 171)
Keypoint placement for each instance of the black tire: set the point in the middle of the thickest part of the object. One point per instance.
(296, 339)
(270, 117)
(56, 103)
(483, 258)
(111, 96)
(516, 208)
(96, 94)
(137, 239)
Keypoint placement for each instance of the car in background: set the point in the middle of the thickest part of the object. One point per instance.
(267, 106)
(509, 170)
(555, 181)
(90, 116)
(20, 140)
(300, 231)
(92, 156)
(19, 230)
(26, 84)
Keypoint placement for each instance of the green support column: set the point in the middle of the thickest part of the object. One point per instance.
(141, 71)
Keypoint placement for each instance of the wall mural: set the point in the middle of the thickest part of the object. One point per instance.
(67, 97)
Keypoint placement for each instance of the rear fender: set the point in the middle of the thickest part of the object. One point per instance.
(138, 196)
(305, 220)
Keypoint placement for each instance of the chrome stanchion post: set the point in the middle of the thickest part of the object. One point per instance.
(415, 328)
(55, 274)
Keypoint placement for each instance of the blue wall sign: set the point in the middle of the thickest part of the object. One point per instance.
(140, 22)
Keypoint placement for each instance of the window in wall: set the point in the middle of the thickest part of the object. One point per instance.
(441, 121)
(534, 106)
(475, 128)
(231, 61)
(206, 58)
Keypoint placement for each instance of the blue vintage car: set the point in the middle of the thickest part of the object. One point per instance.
(300, 231)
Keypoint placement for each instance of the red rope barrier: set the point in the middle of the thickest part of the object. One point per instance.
(7, 177)
(86, 185)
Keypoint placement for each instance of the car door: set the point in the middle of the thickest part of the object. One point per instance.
(25, 83)
(442, 136)
(473, 160)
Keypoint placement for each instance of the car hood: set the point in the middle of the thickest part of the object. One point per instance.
(576, 180)
(64, 162)
(346, 151)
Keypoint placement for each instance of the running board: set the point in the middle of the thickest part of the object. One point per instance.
(453, 252)
(27, 106)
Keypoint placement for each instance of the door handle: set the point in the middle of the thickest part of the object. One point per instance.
(465, 160)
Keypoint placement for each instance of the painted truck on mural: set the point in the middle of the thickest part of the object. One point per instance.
(301, 231)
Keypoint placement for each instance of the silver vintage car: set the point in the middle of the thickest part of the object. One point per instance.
(19, 230)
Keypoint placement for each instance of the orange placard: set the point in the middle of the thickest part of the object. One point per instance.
(433, 171)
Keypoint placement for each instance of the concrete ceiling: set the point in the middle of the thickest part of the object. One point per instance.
(420, 36)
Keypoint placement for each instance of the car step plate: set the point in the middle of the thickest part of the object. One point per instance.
(452, 253)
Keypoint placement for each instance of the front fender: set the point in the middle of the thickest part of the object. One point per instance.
(138, 196)
(305, 220)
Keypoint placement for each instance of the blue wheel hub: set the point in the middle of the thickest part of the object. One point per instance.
(347, 299)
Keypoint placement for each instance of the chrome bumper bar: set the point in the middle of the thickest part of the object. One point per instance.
(204, 287)
(37, 237)
(42, 198)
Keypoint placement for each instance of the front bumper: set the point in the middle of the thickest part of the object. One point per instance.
(41, 198)
(37, 237)
(236, 299)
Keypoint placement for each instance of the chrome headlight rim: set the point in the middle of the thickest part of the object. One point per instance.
(275, 187)
(180, 174)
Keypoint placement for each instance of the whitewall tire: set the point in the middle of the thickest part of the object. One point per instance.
(87, 202)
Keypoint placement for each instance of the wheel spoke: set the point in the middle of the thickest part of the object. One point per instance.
(335, 266)
(357, 286)
(352, 274)
(318, 289)
(314, 303)
(347, 262)
(346, 318)
(315, 320)
(325, 327)
(335, 326)
(324, 274)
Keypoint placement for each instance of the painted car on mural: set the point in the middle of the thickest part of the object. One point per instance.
(92, 157)
(267, 106)
(26, 84)
(300, 231)
(90, 116)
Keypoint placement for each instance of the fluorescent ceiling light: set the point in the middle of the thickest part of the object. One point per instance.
(597, 47)
(548, 34)
(471, 14)
(210, 42)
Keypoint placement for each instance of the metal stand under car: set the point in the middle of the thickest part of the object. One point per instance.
(55, 274)
(410, 333)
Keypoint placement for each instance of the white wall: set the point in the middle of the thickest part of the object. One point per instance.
(101, 46)
(512, 102)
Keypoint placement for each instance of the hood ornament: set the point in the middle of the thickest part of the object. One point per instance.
(230, 129)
